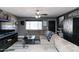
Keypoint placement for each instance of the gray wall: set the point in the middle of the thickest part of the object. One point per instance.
(21, 28)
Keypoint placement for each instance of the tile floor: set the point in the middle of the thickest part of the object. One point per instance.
(44, 46)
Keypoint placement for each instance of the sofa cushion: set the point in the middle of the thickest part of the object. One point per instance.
(48, 34)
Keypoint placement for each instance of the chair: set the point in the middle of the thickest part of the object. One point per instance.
(25, 41)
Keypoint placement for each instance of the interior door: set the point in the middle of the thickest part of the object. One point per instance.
(51, 26)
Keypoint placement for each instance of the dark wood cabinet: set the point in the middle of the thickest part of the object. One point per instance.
(7, 41)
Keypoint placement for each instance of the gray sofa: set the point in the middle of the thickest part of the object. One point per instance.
(63, 45)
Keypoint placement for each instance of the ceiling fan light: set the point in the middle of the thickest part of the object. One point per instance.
(36, 16)
(38, 12)
(39, 16)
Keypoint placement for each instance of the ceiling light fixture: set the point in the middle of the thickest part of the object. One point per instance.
(37, 14)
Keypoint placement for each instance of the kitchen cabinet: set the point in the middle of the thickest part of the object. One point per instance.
(7, 40)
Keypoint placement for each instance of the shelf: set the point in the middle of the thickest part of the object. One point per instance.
(4, 20)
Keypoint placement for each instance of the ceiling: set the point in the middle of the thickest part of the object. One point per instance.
(30, 11)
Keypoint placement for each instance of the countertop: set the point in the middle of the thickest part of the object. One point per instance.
(6, 34)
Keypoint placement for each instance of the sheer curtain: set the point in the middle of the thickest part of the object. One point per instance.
(33, 25)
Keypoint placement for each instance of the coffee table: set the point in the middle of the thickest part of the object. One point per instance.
(33, 39)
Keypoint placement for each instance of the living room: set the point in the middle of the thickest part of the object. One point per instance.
(47, 29)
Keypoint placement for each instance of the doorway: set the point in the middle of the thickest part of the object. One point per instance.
(51, 26)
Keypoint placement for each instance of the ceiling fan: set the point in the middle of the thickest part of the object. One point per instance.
(38, 15)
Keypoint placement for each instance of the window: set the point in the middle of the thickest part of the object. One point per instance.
(33, 25)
